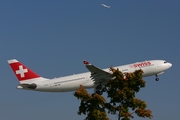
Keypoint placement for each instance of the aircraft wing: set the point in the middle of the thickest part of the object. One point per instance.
(97, 74)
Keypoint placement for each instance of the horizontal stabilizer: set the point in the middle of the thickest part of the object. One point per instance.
(27, 86)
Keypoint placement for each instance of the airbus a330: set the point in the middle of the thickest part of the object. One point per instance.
(96, 78)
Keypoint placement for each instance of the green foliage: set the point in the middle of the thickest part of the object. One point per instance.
(121, 92)
(94, 106)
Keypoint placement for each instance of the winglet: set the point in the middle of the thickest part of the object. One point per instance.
(86, 62)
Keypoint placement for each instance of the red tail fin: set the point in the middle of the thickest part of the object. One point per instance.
(21, 71)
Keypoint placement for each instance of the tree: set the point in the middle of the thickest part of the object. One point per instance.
(93, 106)
(121, 92)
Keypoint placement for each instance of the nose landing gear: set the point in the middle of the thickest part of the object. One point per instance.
(157, 79)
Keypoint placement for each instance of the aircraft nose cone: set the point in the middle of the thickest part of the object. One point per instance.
(170, 65)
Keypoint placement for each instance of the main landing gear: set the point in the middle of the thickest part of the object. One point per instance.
(100, 89)
(157, 79)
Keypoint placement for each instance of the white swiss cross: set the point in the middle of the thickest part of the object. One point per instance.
(21, 71)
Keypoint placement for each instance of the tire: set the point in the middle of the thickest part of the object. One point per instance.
(157, 79)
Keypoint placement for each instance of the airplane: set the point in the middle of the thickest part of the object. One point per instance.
(96, 78)
(106, 6)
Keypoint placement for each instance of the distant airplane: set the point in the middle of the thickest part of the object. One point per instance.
(97, 78)
(106, 6)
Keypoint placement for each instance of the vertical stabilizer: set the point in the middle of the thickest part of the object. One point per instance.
(24, 74)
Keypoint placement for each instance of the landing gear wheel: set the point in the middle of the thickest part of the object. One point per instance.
(157, 79)
(92, 94)
(99, 92)
(99, 87)
(104, 89)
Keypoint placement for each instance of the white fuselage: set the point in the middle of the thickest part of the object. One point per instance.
(72, 82)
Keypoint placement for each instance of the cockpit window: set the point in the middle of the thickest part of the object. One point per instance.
(165, 62)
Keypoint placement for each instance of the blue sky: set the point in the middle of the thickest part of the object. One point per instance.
(54, 37)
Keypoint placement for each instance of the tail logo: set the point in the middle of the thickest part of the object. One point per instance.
(21, 71)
